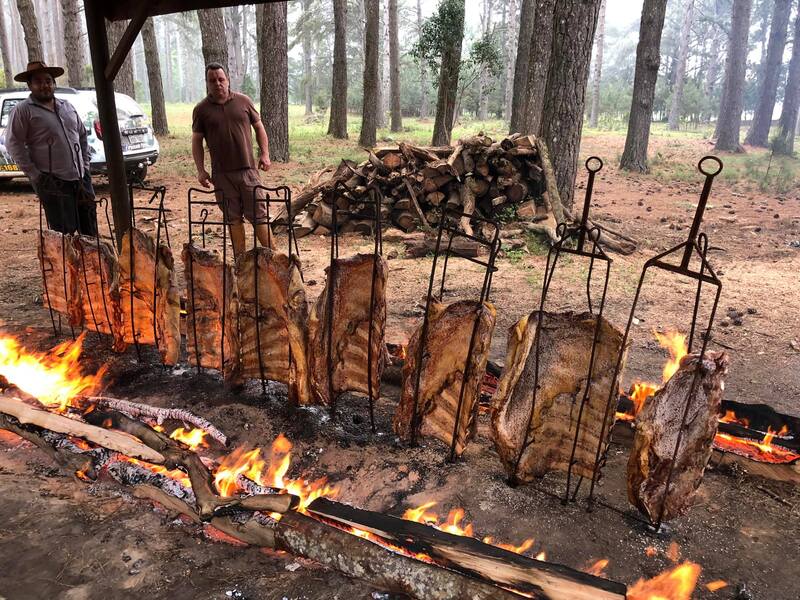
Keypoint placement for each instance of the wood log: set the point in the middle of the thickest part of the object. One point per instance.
(431, 184)
(517, 191)
(376, 162)
(467, 555)
(405, 221)
(415, 152)
(525, 141)
(454, 197)
(477, 185)
(113, 440)
(468, 206)
(392, 160)
(479, 140)
(417, 248)
(335, 548)
(415, 205)
(306, 226)
(435, 198)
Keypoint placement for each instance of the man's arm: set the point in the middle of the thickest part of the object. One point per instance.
(263, 146)
(199, 159)
(84, 144)
(16, 135)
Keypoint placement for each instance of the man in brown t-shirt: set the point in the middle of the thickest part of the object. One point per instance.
(223, 119)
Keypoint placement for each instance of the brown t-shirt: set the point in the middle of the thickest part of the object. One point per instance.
(226, 128)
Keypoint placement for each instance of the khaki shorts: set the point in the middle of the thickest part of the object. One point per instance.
(234, 192)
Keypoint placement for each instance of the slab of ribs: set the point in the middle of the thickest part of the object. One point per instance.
(96, 267)
(154, 317)
(207, 301)
(61, 287)
(444, 358)
(564, 353)
(350, 326)
(272, 309)
(657, 428)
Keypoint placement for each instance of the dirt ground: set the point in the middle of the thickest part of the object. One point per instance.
(62, 538)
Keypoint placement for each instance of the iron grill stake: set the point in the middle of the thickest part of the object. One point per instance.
(372, 196)
(696, 242)
(493, 247)
(281, 195)
(203, 223)
(161, 220)
(593, 165)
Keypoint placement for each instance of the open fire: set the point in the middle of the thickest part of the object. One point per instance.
(56, 379)
(767, 449)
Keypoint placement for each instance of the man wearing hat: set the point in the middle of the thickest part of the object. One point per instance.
(47, 139)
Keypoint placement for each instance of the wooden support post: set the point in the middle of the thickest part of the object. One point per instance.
(107, 107)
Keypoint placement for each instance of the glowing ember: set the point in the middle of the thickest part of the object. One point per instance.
(718, 584)
(175, 474)
(763, 451)
(54, 378)
(598, 568)
(193, 439)
(675, 584)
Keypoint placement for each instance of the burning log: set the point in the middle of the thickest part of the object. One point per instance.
(535, 578)
(350, 289)
(669, 456)
(136, 409)
(533, 439)
(27, 415)
(432, 408)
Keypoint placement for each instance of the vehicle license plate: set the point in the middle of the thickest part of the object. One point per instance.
(13, 168)
(135, 139)
(134, 146)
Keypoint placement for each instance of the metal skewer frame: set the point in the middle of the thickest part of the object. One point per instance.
(582, 236)
(449, 225)
(695, 245)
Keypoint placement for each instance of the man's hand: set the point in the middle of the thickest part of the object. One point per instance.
(264, 162)
(204, 178)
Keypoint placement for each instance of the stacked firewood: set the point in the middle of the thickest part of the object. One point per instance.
(478, 176)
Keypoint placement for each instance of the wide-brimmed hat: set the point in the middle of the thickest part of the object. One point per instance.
(36, 66)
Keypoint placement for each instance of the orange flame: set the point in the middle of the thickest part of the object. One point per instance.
(676, 584)
(763, 451)
(54, 378)
(193, 439)
(675, 343)
(717, 584)
(598, 568)
(251, 465)
(453, 524)
(731, 417)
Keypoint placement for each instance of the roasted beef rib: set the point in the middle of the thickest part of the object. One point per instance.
(443, 363)
(350, 327)
(61, 288)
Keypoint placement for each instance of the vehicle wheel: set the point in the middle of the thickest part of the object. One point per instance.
(138, 174)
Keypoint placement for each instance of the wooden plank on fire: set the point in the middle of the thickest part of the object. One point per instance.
(473, 557)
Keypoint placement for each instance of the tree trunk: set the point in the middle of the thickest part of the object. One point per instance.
(511, 24)
(383, 94)
(539, 64)
(574, 23)
(58, 28)
(159, 111)
(680, 68)
(123, 83)
(168, 68)
(308, 76)
(648, 59)
(758, 134)
(598, 64)
(233, 23)
(394, 67)
(27, 17)
(73, 44)
(448, 74)
(273, 53)
(337, 127)
(212, 33)
(424, 107)
(483, 99)
(730, 111)
(369, 111)
(519, 99)
(5, 54)
(784, 143)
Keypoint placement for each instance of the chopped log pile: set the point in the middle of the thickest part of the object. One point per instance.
(477, 176)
